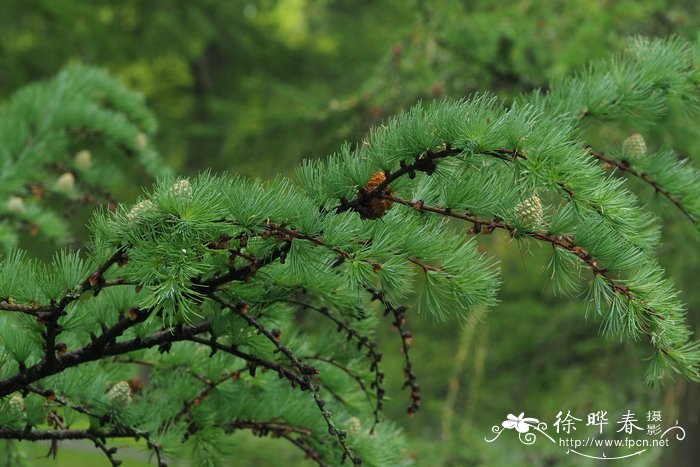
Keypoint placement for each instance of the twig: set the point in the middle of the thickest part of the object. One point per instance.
(611, 163)
(560, 241)
(281, 370)
(305, 370)
(98, 349)
(280, 430)
(399, 323)
(363, 341)
(425, 162)
(62, 434)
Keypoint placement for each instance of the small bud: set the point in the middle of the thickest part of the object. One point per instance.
(140, 210)
(530, 212)
(119, 394)
(634, 147)
(66, 183)
(182, 189)
(354, 425)
(15, 204)
(133, 313)
(83, 159)
(141, 141)
(16, 405)
(38, 191)
(136, 385)
(95, 279)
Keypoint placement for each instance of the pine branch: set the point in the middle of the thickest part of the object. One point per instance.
(345, 369)
(100, 347)
(210, 385)
(294, 234)
(279, 430)
(283, 372)
(50, 313)
(264, 428)
(108, 452)
(487, 226)
(611, 164)
(241, 309)
(32, 310)
(425, 162)
(95, 436)
(372, 352)
(51, 396)
(94, 194)
(41, 435)
(241, 274)
(162, 366)
(304, 446)
(305, 370)
(489, 155)
(399, 323)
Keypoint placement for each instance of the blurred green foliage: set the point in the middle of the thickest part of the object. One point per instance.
(255, 86)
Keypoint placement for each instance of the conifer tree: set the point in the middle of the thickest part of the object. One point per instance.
(201, 285)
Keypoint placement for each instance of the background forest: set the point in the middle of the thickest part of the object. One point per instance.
(253, 87)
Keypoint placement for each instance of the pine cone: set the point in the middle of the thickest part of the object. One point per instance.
(353, 425)
(141, 209)
(530, 212)
(634, 147)
(119, 394)
(83, 159)
(15, 204)
(66, 183)
(182, 189)
(16, 405)
(141, 141)
(375, 208)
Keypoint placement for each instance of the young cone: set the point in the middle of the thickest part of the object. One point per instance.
(15, 204)
(119, 394)
(530, 212)
(182, 189)
(83, 159)
(66, 183)
(140, 210)
(16, 405)
(634, 147)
